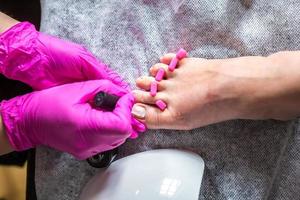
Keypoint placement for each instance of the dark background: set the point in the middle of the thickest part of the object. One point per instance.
(22, 10)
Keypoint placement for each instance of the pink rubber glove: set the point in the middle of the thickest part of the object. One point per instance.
(62, 118)
(43, 61)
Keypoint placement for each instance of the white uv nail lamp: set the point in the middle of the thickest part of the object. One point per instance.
(164, 174)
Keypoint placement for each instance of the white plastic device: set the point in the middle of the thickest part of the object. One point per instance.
(165, 174)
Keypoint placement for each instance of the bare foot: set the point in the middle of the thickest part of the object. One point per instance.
(191, 93)
(201, 92)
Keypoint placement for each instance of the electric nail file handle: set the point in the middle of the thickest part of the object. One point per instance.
(107, 102)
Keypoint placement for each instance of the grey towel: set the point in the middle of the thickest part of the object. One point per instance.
(244, 159)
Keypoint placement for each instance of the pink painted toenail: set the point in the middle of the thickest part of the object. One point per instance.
(161, 104)
(160, 74)
(181, 54)
(153, 88)
(173, 64)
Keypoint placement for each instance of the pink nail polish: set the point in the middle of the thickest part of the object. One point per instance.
(160, 74)
(181, 54)
(153, 88)
(173, 64)
(161, 104)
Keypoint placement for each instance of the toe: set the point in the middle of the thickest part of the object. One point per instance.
(145, 97)
(144, 82)
(160, 66)
(151, 116)
(166, 59)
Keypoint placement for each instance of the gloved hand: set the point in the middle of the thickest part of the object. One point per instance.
(43, 61)
(62, 117)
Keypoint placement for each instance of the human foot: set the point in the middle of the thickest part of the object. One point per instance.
(202, 92)
(190, 93)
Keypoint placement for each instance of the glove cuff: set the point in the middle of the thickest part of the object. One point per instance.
(11, 114)
(18, 52)
(5, 41)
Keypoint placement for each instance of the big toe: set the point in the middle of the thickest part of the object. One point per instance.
(152, 116)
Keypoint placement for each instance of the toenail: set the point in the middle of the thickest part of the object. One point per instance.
(161, 104)
(160, 74)
(138, 111)
(153, 88)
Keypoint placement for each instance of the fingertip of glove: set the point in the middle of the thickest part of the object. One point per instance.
(127, 99)
(138, 126)
(133, 135)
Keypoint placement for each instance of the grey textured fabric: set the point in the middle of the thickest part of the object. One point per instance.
(244, 159)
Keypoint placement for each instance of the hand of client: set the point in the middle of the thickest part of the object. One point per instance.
(202, 92)
(62, 117)
(44, 61)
